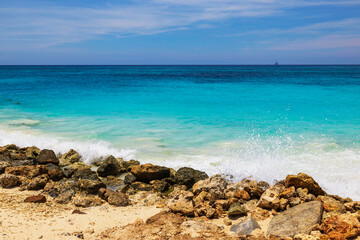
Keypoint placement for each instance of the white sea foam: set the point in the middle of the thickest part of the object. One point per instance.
(89, 150)
(334, 167)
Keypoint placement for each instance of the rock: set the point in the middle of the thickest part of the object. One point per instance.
(214, 185)
(23, 163)
(288, 193)
(260, 214)
(38, 182)
(114, 198)
(27, 171)
(112, 182)
(3, 165)
(86, 201)
(149, 172)
(70, 157)
(9, 180)
(68, 172)
(55, 173)
(304, 181)
(36, 199)
(227, 222)
(32, 152)
(332, 205)
(270, 199)
(236, 209)
(65, 196)
(182, 202)
(245, 227)
(254, 188)
(189, 176)
(342, 226)
(283, 203)
(305, 237)
(159, 185)
(140, 186)
(85, 173)
(47, 156)
(91, 186)
(242, 194)
(296, 220)
(129, 178)
(302, 192)
(76, 211)
(352, 206)
(294, 201)
(110, 166)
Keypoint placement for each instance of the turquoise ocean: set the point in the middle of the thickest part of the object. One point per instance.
(262, 122)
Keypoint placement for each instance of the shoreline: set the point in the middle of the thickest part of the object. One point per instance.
(194, 205)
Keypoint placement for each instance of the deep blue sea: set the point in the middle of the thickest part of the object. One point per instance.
(262, 122)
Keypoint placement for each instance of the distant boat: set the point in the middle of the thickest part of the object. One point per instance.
(276, 63)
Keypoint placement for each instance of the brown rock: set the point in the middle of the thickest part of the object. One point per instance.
(47, 156)
(149, 172)
(36, 199)
(242, 194)
(304, 181)
(76, 211)
(341, 226)
(32, 152)
(182, 202)
(352, 206)
(294, 201)
(214, 185)
(70, 157)
(65, 196)
(9, 180)
(140, 186)
(270, 199)
(332, 205)
(114, 198)
(110, 166)
(237, 209)
(288, 193)
(91, 186)
(38, 182)
(87, 201)
(3, 165)
(27, 171)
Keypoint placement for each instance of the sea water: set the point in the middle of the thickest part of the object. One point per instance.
(262, 122)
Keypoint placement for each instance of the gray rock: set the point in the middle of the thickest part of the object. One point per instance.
(245, 227)
(296, 220)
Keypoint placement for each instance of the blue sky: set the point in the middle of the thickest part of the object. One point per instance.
(180, 32)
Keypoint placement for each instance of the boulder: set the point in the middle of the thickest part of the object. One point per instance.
(112, 182)
(27, 171)
(332, 205)
(110, 166)
(159, 185)
(85, 173)
(149, 172)
(236, 209)
(32, 152)
(36, 199)
(91, 186)
(70, 157)
(65, 196)
(87, 201)
(245, 227)
(47, 156)
(114, 198)
(68, 172)
(242, 194)
(140, 186)
(297, 220)
(254, 188)
(214, 185)
(128, 164)
(38, 182)
(342, 226)
(304, 181)
(181, 202)
(129, 178)
(55, 173)
(9, 180)
(270, 199)
(352, 206)
(189, 176)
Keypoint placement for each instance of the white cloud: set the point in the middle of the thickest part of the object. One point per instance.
(43, 25)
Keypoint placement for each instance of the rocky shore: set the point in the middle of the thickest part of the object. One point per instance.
(47, 196)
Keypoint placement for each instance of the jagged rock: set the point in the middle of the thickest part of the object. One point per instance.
(3, 165)
(68, 172)
(65, 196)
(38, 182)
(86, 201)
(47, 156)
(9, 180)
(342, 226)
(294, 201)
(260, 214)
(36, 199)
(159, 185)
(114, 198)
(302, 192)
(70, 157)
(332, 205)
(242, 194)
(182, 202)
(214, 185)
(149, 172)
(129, 164)
(236, 209)
(129, 178)
(91, 186)
(189, 176)
(32, 152)
(140, 186)
(110, 166)
(270, 199)
(85, 172)
(283, 203)
(112, 182)
(304, 181)
(296, 220)
(17, 156)
(254, 188)
(55, 173)
(245, 227)
(352, 206)
(27, 171)
(288, 193)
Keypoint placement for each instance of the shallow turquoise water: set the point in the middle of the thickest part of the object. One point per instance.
(259, 121)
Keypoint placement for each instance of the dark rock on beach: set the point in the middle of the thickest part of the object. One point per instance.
(189, 176)
(149, 172)
(9, 180)
(110, 166)
(114, 198)
(47, 156)
(36, 199)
